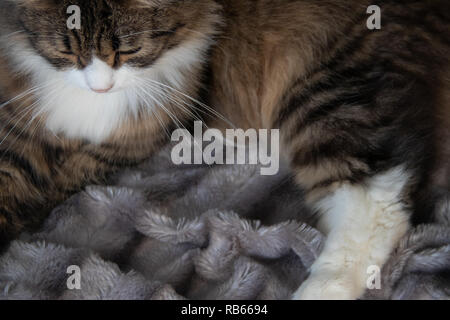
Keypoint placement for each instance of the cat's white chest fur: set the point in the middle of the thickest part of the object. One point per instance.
(78, 113)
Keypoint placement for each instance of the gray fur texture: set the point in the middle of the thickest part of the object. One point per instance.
(190, 232)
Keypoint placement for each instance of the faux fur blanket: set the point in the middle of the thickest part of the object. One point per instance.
(223, 232)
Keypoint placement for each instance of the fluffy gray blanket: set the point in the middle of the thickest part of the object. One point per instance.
(223, 232)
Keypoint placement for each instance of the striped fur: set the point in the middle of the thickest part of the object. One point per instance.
(350, 102)
(363, 113)
(363, 116)
(39, 168)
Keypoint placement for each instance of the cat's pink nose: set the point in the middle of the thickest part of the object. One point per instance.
(102, 90)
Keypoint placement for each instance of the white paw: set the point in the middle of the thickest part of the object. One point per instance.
(328, 287)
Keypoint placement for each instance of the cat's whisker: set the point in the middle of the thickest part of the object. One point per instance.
(161, 105)
(171, 97)
(178, 103)
(174, 118)
(30, 121)
(21, 111)
(38, 125)
(19, 96)
(158, 118)
(206, 107)
(12, 34)
(25, 93)
(184, 109)
(149, 106)
(16, 115)
(26, 127)
(169, 94)
(28, 110)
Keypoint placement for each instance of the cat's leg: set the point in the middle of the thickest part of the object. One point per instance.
(363, 224)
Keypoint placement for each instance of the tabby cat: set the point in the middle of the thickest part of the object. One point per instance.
(364, 114)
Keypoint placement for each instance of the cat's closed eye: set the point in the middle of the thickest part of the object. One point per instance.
(66, 52)
(130, 52)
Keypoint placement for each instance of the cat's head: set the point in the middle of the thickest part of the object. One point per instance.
(103, 54)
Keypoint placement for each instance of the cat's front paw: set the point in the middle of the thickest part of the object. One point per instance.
(328, 287)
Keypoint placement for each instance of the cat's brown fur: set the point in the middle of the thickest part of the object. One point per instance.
(39, 170)
(351, 102)
(294, 52)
